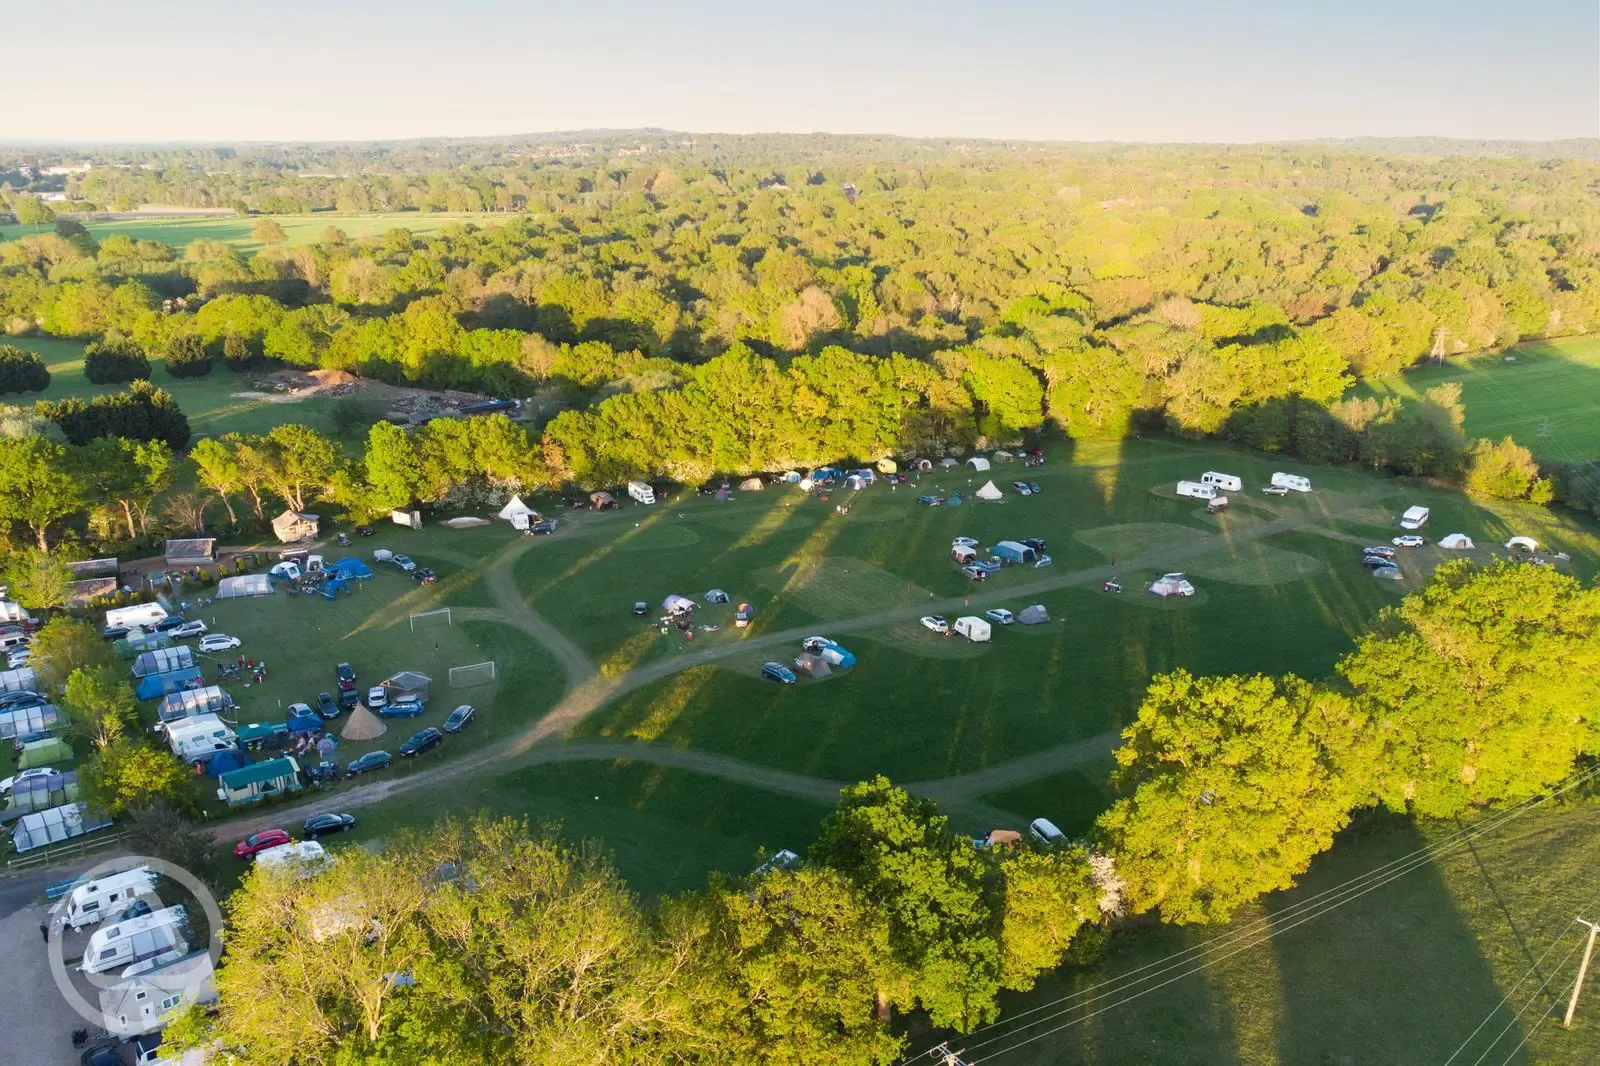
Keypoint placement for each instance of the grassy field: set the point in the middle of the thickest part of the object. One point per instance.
(302, 229)
(1547, 397)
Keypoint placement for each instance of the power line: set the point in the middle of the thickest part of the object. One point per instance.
(1518, 1016)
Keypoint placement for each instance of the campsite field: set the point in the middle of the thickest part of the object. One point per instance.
(301, 229)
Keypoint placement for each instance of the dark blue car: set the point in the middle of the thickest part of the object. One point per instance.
(372, 760)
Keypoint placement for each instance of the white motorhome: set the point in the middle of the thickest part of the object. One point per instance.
(197, 739)
(93, 901)
(1414, 518)
(1226, 482)
(1198, 489)
(147, 938)
(973, 628)
(641, 491)
(1293, 482)
(139, 615)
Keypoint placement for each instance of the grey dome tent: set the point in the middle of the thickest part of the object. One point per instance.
(716, 596)
(1033, 614)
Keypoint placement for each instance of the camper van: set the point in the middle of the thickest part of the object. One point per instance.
(1225, 482)
(1198, 489)
(195, 740)
(90, 903)
(143, 939)
(1292, 482)
(139, 615)
(641, 491)
(973, 628)
(1414, 518)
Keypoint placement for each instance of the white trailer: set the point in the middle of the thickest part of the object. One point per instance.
(1198, 489)
(146, 938)
(94, 901)
(973, 628)
(139, 615)
(12, 611)
(1414, 518)
(1225, 482)
(641, 491)
(1292, 482)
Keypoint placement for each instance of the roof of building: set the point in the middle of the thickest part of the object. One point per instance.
(260, 773)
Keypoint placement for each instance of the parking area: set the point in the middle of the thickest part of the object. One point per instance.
(35, 1022)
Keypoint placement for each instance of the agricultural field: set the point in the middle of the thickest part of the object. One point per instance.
(301, 229)
(1545, 396)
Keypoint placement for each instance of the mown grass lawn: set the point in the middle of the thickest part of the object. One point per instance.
(301, 229)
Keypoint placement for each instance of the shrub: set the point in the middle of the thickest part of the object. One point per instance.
(187, 357)
(237, 354)
(108, 362)
(22, 370)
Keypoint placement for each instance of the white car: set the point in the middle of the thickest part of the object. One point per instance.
(39, 771)
(195, 628)
(1275, 490)
(1410, 540)
(1000, 616)
(377, 697)
(219, 642)
(936, 623)
(18, 658)
(963, 542)
(298, 709)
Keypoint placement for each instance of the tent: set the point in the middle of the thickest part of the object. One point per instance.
(978, 462)
(1457, 541)
(742, 616)
(888, 466)
(1034, 614)
(409, 683)
(517, 513)
(261, 734)
(243, 586)
(363, 725)
(855, 482)
(1003, 457)
(836, 656)
(601, 500)
(251, 783)
(989, 492)
(752, 484)
(1002, 838)
(52, 826)
(1526, 544)
(806, 484)
(1015, 552)
(51, 752)
(22, 679)
(138, 641)
(163, 660)
(208, 700)
(724, 495)
(920, 465)
(675, 604)
(791, 477)
(33, 718)
(962, 554)
(155, 686)
(226, 762)
(826, 473)
(948, 463)
(305, 723)
(813, 665)
(351, 570)
(291, 526)
(716, 596)
(41, 793)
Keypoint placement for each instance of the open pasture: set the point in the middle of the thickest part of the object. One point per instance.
(236, 230)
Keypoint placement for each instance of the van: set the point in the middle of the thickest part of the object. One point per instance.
(12, 639)
(90, 903)
(137, 940)
(1045, 832)
(1292, 482)
(641, 491)
(138, 615)
(1226, 482)
(1199, 490)
(1414, 518)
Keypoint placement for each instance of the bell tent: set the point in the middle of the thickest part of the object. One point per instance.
(363, 725)
(517, 513)
(989, 492)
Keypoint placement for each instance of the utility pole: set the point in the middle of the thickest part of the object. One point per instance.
(1439, 336)
(1583, 971)
(943, 1056)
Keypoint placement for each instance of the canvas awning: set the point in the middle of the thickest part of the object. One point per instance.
(35, 718)
(54, 825)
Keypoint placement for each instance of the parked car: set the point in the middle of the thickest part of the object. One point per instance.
(963, 542)
(171, 622)
(215, 642)
(195, 628)
(11, 782)
(1381, 551)
(541, 529)
(326, 705)
(402, 707)
(424, 576)
(778, 672)
(1033, 487)
(1275, 490)
(1410, 540)
(137, 909)
(377, 696)
(298, 709)
(403, 562)
(372, 760)
(640, 609)
(1000, 615)
(102, 1055)
(420, 741)
(349, 699)
(321, 825)
(975, 573)
(459, 718)
(365, 531)
(346, 675)
(1022, 488)
(1036, 543)
(114, 632)
(20, 699)
(930, 501)
(1375, 562)
(1033, 461)
(267, 838)
(18, 658)
(937, 623)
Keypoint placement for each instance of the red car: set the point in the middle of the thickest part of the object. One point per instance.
(267, 838)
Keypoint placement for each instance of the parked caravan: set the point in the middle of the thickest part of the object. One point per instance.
(1225, 482)
(147, 938)
(1292, 482)
(641, 491)
(973, 628)
(195, 740)
(1414, 518)
(1015, 552)
(1197, 489)
(92, 902)
(137, 616)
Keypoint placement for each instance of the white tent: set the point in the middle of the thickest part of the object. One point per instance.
(244, 585)
(1527, 544)
(1458, 541)
(676, 604)
(516, 512)
(948, 463)
(978, 462)
(989, 492)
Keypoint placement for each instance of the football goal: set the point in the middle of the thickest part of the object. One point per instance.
(475, 674)
(425, 619)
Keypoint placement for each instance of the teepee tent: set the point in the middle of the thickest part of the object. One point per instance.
(989, 492)
(363, 725)
(516, 512)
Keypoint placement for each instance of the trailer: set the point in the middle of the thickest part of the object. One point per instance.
(973, 628)
(135, 616)
(94, 901)
(1197, 489)
(146, 938)
(1225, 482)
(1292, 482)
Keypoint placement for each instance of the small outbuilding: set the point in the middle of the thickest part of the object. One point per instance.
(978, 462)
(1457, 542)
(291, 526)
(410, 517)
(191, 551)
(989, 492)
(1034, 614)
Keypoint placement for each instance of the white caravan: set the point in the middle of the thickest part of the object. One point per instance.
(93, 901)
(641, 491)
(1198, 489)
(138, 940)
(1293, 482)
(1225, 482)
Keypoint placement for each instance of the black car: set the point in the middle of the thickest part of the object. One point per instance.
(1375, 562)
(365, 531)
(1380, 551)
(102, 1055)
(372, 760)
(171, 622)
(321, 825)
(420, 741)
(459, 718)
(137, 909)
(539, 529)
(423, 575)
(348, 699)
(1036, 543)
(114, 632)
(347, 677)
(326, 706)
(640, 609)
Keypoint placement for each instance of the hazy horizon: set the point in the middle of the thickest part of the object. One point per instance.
(1147, 72)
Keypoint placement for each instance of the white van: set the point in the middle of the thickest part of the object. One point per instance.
(641, 491)
(1046, 833)
(1226, 482)
(11, 640)
(137, 616)
(1414, 518)
(1198, 489)
(1293, 482)
(300, 857)
(137, 940)
(196, 739)
(90, 903)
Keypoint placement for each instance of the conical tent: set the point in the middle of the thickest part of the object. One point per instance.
(363, 725)
(989, 492)
(514, 509)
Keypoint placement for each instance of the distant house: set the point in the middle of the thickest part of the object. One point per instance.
(194, 551)
(86, 568)
(83, 593)
(143, 1004)
(291, 526)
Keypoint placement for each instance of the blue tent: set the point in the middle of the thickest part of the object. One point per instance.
(351, 570)
(826, 473)
(305, 723)
(155, 686)
(333, 586)
(223, 761)
(837, 657)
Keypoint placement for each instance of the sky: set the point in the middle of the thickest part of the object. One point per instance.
(1117, 70)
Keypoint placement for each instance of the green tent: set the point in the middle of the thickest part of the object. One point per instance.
(52, 752)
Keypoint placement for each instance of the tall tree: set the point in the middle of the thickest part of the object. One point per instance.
(100, 704)
(301, 463)
(36, 488)
(65, 644)
(217, 468)
(38, 579)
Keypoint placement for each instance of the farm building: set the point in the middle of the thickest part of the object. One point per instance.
(291, 526)
(191, 551)
(252, 784)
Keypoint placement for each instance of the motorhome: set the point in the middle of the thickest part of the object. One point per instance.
(1225, 482)
(93, 901)
(149, 937)
(641, 491)
(1414, 518)
(136, 616)
(195, 740)
(1292, 482)
(1198, 489)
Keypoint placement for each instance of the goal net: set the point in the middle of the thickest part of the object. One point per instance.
(475, 674)
(425, 619)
